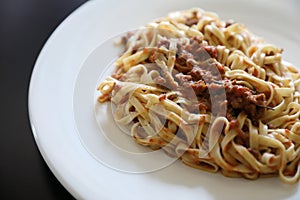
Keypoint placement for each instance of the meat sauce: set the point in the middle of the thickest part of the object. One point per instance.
(196, 67)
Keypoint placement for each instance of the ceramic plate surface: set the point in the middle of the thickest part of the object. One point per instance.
(74, 134)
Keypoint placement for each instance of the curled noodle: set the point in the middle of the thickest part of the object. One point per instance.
(210, 92)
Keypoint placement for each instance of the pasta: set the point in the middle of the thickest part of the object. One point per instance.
(211, 93)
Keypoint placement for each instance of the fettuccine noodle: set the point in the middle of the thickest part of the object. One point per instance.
(210, 92)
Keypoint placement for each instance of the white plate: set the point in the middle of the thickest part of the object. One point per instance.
(62, 95)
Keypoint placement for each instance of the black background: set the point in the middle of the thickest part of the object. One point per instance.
(25, 25)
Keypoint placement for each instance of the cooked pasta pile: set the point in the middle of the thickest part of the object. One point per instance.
(210, 92)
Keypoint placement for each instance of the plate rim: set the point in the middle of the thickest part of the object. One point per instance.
(62, 180)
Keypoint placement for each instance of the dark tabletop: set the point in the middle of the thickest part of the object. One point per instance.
(25, 25)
